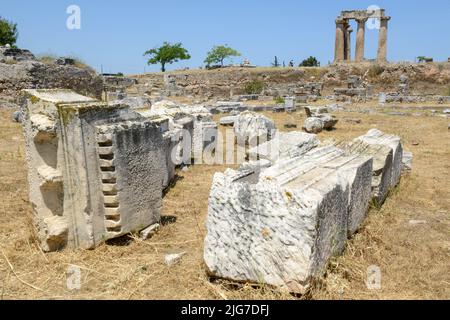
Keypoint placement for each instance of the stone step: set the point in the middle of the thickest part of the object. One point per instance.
(111, 201)
(110, 188)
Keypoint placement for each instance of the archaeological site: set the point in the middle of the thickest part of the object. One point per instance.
(237, 180)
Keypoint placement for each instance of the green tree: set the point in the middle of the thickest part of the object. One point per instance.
(8, 32)
(310, 62)
(219, 53)
(167, 54)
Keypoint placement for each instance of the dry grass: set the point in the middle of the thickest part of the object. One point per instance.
(414, 260)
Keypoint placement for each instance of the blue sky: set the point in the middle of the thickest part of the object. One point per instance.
(115, 34)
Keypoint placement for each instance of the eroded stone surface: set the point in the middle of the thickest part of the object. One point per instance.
(284, 144)
(250, 125)
(313, 125)
(283, 228)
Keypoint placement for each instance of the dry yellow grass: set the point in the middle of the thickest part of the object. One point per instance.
(414, 260)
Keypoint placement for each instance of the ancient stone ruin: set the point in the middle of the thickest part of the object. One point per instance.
(343, 34)
(97, 171)
(278, 220)
(357, 90)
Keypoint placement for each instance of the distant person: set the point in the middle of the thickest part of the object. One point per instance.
(291, 63)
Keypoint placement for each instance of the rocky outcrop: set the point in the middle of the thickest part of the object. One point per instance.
(284, 145)
(25, 72)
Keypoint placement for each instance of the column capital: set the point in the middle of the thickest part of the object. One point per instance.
(385, 18)
(361, 20)
(340, 21)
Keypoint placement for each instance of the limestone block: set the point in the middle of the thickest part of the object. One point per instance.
(204, 140)
(44, 128)
(282, 229)
(284, 144)
(375, 136)
(407, 161)
(228, 121)
(355, 168)
(56, 231)
(313, 125)
(98, 174)
(315, 111)
(50, 177)
(250, 125)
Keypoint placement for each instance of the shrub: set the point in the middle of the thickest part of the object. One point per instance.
(279, 100)
(254, 87)
(47, 58)
(447, 92)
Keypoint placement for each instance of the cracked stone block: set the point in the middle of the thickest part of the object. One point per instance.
(250, 125)
(382, 165)
(282, 229)
(375, 136)
(313, 125)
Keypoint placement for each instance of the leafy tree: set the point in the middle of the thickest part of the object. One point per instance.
(167, 54)
(310, 62)
(275, 62)
(8, 32)
(219, 53)
(421, 58)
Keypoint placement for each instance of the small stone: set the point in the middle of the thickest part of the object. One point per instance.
(149, 232)
(353, 121)
(407, 161)
(416, 222)
(447, 111)
(415, 143)
(277, 109)
(227, 121)
(172, 259)
(17, 116)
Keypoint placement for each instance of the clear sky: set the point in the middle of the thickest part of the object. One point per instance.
(115, 33)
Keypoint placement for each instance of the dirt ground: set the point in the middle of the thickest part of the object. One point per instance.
(414, 259)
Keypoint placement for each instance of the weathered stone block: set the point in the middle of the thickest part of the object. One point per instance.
(95, 169)
(250, 125)
(282, 229)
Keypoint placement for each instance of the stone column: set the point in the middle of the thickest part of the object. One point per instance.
(348, 44)
(382, 39)
(339, 47)
(360, 39)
